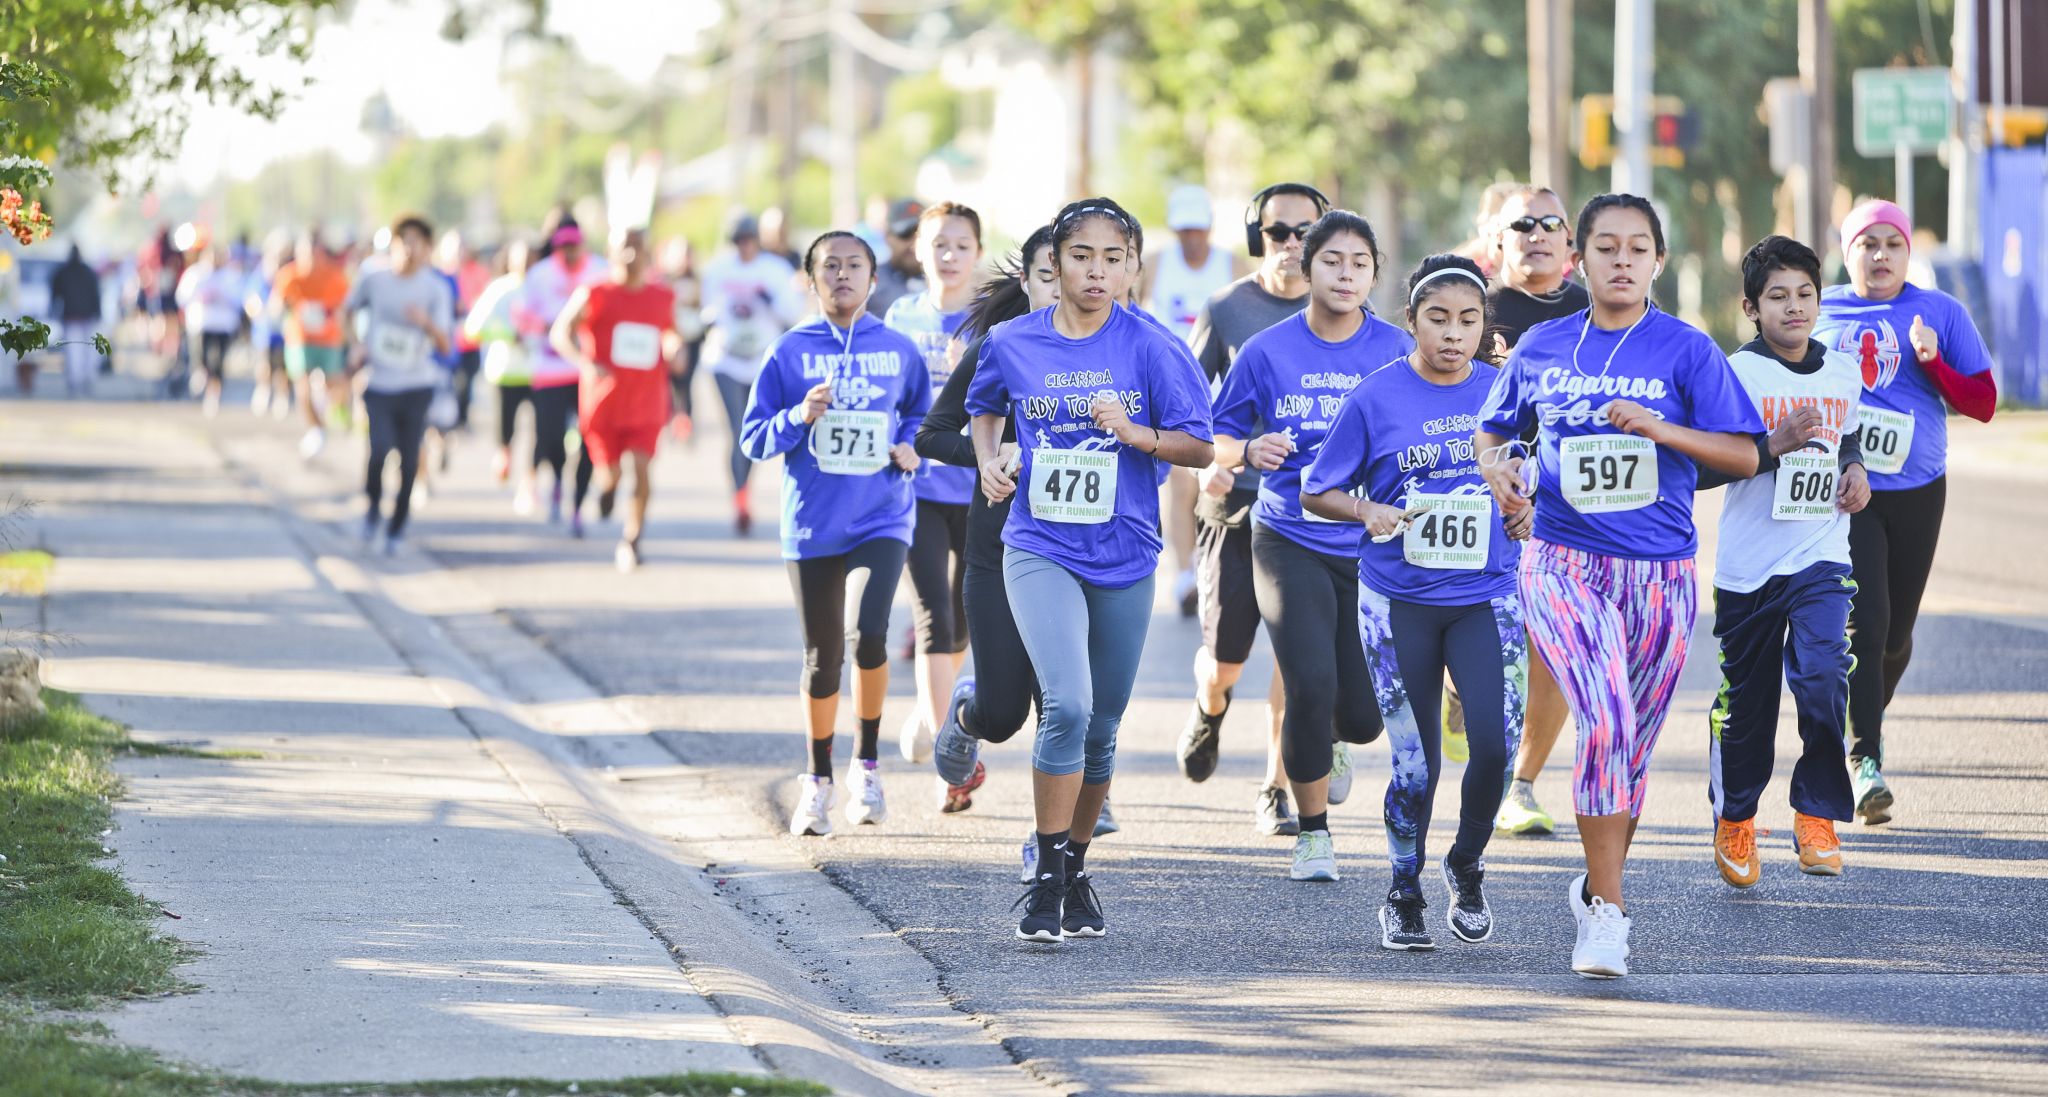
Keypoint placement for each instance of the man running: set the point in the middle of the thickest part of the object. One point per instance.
(309, 294)
(411, 318)
(749, 301)
(1275, 223)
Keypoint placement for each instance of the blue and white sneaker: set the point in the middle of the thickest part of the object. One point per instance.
(1030, 854)
(1105, 823)
(954, 751)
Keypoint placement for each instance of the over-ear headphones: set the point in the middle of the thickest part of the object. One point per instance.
(1254, 240)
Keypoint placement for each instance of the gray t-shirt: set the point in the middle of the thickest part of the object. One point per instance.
(1237, 312)
(401, 354)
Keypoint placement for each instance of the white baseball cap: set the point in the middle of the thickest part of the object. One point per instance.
(1188, 208)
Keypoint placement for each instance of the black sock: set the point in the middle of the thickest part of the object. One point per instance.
(1077, 858)
(869, 747)
(1052, 855)
(1586, 892)
(821, 757)
(1319, 821)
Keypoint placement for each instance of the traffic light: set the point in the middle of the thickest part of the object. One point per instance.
(1673, 130)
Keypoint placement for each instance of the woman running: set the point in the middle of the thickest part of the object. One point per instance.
(1917, 349)
(990, 705)
(839, 398)
(1278, 403)
(628, 327)
(506, 365)
(1099, 397)
(949, 249)
(1628, 398)
(1436, 586)
(565, 267)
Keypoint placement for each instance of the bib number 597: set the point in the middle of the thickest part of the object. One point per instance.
(1608, 472)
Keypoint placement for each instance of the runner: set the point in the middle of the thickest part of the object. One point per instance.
(1080, 554)
(1878, 318)
(991, 704)
(1281, 214)
(901, 275)
(839, 398)
(506, 365)
(1783, 565)
(747, 303)
(1176, 283)
(1436, 586)
(628, 327)
(679, 269)
(1534, 240)
(1277, 406)
(949, 247)
(564, 267)
(210, 293)
(411, 317)
(455, 258)
(309, 295)
(271, 394)
(1608, 582)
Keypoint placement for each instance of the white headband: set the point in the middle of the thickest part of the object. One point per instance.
(1443, 272)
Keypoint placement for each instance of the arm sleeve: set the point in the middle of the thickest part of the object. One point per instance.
(1973, 394)
(769, 428)
(1851, 450)
(1766, 461)
(1340, 463)
(940, 437)
(1209, 349)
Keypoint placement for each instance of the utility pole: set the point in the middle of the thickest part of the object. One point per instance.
(1635, 43)
(739, 110)
(782, 88)
(1550, 91)
(845, 91)
(1966, 139)
(1817, 80)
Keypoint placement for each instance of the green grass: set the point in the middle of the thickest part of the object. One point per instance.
(73, 936)
(25, 572)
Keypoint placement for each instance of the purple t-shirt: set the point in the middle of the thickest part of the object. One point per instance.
(932, 331)
(880, 393)
(1084, 500)
(1601, 490)
(1875, 333)
(1291, 380)
(1402, 439)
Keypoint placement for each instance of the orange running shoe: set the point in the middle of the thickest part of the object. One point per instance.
(1820, 852)
(1735, 852)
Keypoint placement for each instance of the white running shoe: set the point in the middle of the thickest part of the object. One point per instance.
(1030, 856)
(1577, 894)
(524, 500)
(1602, 951)
(311, 443)
(259, 400)
(915, 740)
(866, 806)
(1315, 857)
(813, 815)
(626, 557)
(1340, 773)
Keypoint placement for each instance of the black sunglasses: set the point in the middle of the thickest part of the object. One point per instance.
(1279, 233)
(1549, 222)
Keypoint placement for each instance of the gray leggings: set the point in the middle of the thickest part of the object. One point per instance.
(1085, 641)
(734, 393)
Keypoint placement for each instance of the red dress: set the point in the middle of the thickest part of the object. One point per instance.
(625, 407)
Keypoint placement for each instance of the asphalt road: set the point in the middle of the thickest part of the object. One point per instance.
(1924, 967)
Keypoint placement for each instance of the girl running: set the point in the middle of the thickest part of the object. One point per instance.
(839, 398)
(1435, 586)
(949, 248)
(1278, 403)
(1916, 349)
(1627, 399)
(1099, 397)
(506, 365)
(628, 327)
(991, 704)
(565, 267)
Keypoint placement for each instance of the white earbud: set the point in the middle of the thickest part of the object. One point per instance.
(1658, 273)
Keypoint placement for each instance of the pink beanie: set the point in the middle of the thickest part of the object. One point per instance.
(1870, 214)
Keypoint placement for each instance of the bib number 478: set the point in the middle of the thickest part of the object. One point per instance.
(1073, 485)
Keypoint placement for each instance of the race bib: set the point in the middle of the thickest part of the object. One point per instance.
(1887, 438)
(1805, 490)
(1604, 472)
(851, 443)
(1455, 535)
(1069, 485)
(636, 346)
(397, 345)
(312, 317)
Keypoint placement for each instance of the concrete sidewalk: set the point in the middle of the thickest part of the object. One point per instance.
(374, 897)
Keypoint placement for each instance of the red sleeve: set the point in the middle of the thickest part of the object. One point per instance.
(1975, 396)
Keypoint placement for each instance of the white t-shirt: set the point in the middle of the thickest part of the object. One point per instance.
(1756, 543)
(748, 305)
(1180, 291)
(212, 298)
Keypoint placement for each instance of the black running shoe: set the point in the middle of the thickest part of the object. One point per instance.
(1273, 815)
(1200, 741)
(1041, 921)
(1469, 917)
(1083, 917)
(605, 501)
(1401, 927)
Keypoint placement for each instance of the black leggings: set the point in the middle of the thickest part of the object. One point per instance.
(398, 420)
(938, 574)
(1306, 599)
(509, 399)
(1005, 683)
(1891, 545)
(679, 381)
(213, 351)
(553, 407)
(466, 367)
(842, 598)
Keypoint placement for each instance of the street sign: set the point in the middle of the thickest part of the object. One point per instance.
(1901, 109)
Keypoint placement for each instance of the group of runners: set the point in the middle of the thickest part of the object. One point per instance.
(1504, 466)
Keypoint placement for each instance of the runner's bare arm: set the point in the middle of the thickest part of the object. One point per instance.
(1724, 451)
(562, 335)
